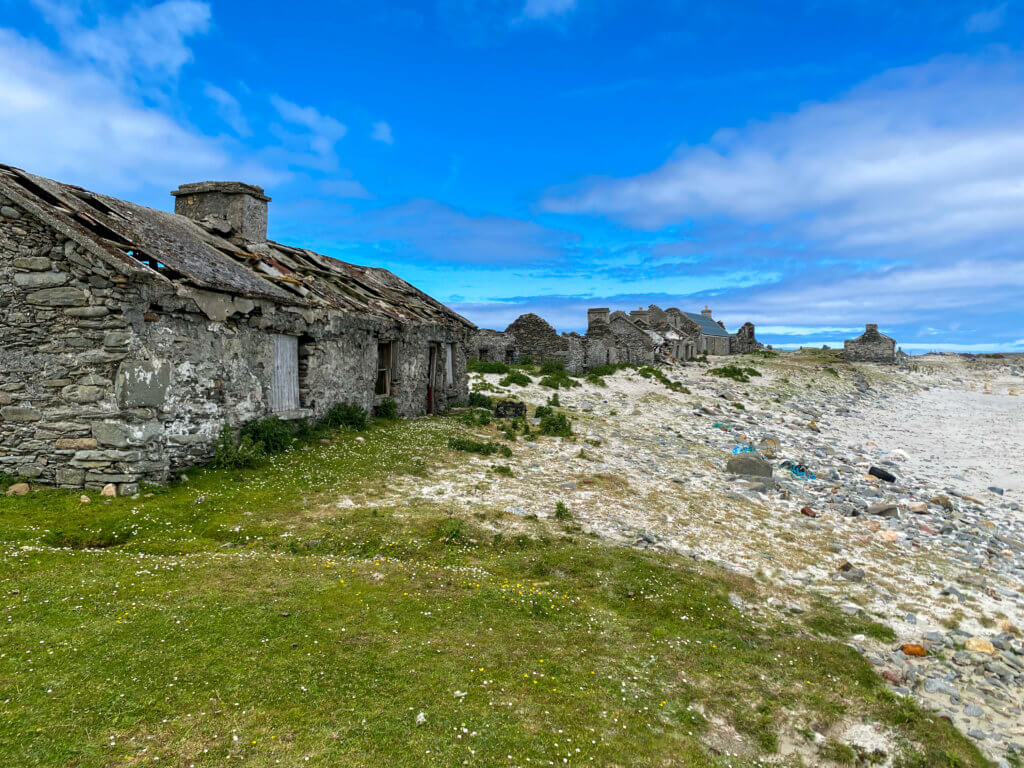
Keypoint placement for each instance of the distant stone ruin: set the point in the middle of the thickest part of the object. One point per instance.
(643, 336)
(870, 347)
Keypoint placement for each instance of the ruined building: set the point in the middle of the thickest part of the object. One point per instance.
(643, 336)
(129, 336)
(870, 347)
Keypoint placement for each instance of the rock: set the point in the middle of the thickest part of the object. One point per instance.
(84, 499)
(884, 509)
(808, 512)
(65, 296)
(882, 474)
(918, 507)
(850, 573)
(109, 490)
(510, 409)
(913, 649)
(980, 645)
(20, 414)
(996, 490)
(76, 444)
(748, 464)
(18, 489)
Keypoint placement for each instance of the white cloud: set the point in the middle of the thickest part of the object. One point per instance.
(927, 156)
(345, 188)
(983, 22)
(77, 124)
(541, 9)
(382, 132)
(323, 132)
(229, 109)
(893, 296)
(149, 38)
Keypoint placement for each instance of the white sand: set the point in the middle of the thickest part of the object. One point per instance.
(966, 440)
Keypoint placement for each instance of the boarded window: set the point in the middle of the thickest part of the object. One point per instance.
(449, 365)
(284, 386)
(385, 361)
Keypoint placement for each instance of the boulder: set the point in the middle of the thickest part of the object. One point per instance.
(980, 645)
(884, 509)
(748, 464)
(109, 490)
(510, 409)
(18, 489)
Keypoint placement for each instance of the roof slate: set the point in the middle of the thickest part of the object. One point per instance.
(707, 326)
(142, 240)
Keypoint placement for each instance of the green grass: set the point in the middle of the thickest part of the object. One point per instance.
(247, 619)
(735, 372)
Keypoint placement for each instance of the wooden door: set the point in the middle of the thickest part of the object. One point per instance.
(431, 376)
(284, 385)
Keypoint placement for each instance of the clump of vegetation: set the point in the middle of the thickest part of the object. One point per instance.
(607, 369)
(230, 452)
(542, 411)
(476, 418)
(764, 353)
(649, 372)
(475, 446)
(104, 537)
(595, 380)
(386, 409)
(562, 511)
(556, 425)
(526, 360)
(483, 366)
(476, 400)
(516, 377)
(735, 372)
(830, 369)
(554, 401)
(502, 469)
(555, 375)
(275, 435)
(562, 380)
(347, 416)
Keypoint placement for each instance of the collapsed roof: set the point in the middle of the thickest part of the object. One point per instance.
(139, 240)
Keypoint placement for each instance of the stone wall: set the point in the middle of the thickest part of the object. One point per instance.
(493, 346)
(871, 347)
(743, 340)
(62, 339)
(103, 380)
(535, 338)
(632, 343)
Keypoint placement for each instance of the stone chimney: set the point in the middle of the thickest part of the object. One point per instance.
(871, 328)
(706, 312)
(597, 316)
(240, 208)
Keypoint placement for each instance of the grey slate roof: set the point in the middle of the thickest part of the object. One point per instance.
(707, 326)
(143, 241)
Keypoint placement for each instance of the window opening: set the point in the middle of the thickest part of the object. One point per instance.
(385, 359)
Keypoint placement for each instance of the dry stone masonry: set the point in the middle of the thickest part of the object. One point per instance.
(643, 336)
(129, 336)
(870, 347)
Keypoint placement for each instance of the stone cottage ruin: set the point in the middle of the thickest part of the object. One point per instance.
(870, 347)
(129, 336)
(643, 336)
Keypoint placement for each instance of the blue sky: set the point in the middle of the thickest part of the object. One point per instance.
(810, 166)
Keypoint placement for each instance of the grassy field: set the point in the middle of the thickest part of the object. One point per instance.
(246, 618)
